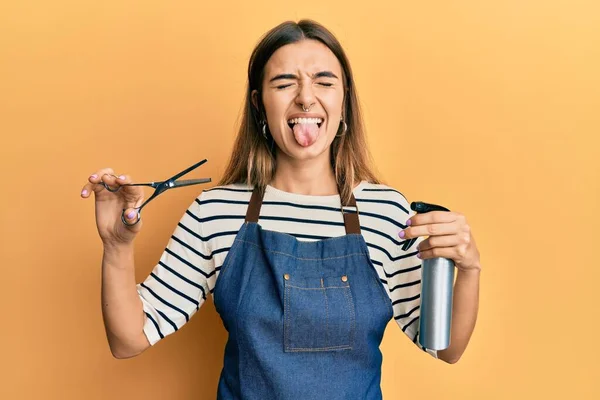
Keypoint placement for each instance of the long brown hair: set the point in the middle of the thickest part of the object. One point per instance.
(253, 159)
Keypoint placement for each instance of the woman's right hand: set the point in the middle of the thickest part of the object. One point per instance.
(109, 206)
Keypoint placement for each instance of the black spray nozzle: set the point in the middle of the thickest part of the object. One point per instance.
(421, 207)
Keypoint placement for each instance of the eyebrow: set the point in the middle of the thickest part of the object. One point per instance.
(322, 74)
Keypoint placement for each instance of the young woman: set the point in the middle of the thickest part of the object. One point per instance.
(299, 244)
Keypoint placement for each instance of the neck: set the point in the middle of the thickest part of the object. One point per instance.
(312, 177)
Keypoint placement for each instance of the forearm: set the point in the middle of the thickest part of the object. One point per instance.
(464, 314)
(121, 306)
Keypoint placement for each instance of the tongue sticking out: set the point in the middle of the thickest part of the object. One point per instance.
(306, 134)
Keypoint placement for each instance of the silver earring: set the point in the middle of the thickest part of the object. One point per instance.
(345, 128)
(264, 130)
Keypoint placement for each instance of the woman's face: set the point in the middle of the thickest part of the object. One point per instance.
(303, 74)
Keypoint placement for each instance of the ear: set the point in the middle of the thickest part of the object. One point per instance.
(254, 99)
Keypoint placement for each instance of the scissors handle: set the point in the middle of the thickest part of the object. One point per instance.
(138, 219)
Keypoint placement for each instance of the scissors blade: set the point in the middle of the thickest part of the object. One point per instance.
(185, 171)
(189, 182)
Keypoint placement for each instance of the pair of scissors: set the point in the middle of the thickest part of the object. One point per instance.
(159, 187)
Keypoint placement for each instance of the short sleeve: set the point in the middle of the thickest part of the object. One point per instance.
(177, 286)
(403, 274)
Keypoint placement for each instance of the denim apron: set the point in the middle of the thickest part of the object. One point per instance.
(305, 319)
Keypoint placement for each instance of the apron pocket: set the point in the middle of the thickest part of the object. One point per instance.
(318, 314)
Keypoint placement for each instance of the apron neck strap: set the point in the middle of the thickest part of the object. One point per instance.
(351, 222)
(254, 206)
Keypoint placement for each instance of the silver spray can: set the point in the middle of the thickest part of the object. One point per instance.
(437, 286)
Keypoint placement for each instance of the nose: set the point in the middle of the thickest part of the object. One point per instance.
(305, 98)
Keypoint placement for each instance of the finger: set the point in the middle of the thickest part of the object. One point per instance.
(119, 180)
(428, 230)
(123, 178)
(93, 182)
(438, 241)
(96, 177)
(132, 194)
(445, 252)
(139, 202)
(110, 179)
(132, 215)
(432, 217)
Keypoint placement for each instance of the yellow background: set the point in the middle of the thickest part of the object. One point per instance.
(489, 108)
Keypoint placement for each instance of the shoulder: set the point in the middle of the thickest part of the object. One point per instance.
(233, 191)
(381, 198)
(219, 201)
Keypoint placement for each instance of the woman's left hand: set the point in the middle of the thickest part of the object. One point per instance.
(449, 237)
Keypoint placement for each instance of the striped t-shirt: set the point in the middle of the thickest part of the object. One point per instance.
(190, 264)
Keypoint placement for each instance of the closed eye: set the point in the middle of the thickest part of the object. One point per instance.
(325, 84)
